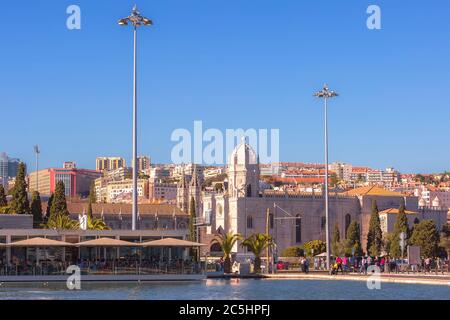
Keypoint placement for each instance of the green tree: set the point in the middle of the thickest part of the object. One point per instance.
(426, 236)
(61, 221)
(374, 235)
(3, 201)
(59, 204)
(226, 242)
(36, 209)
(256, 244)
(353, 242)
(92, 194)
(400, 226)
(96, 224)
(294, 251)
(92, 199)
(89, 210)
(49, 206)
(192, 228)
(19, 203)
(335, 242)
(317, 245)
(445, 239)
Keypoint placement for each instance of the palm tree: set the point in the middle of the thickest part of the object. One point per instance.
(256, 243)
(61, 221)
(226, 242)
(96, 224)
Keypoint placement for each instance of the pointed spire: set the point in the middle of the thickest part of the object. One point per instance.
(194, 181)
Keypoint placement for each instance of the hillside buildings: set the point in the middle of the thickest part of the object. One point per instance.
(294, 217)
(8, 168)
(109, 163)
(76, 181)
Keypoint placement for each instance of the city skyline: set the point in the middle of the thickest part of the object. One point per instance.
(77, 105)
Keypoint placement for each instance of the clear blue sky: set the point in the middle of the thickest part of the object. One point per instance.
(232, 64)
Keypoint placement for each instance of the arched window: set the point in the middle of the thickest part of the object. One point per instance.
(249, 222)
(215, 248)
(298, 229)
(249, 191)
(348, 220)
(323, 223)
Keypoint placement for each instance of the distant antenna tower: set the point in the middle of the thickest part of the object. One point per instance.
(37, 151)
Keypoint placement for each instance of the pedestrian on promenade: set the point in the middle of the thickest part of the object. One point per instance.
(439, 265)
(382, 264)
(344, 265)
(387, 264)
(339, 265)
(363, 268)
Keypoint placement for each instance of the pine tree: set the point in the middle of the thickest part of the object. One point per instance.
(192, 228)
(49, 206)
(3, 201)
(401, 225)
(426, 236)
(36, 209)
(374, 235)
(353, 243)
(92, 199)
(92, 194)
(335, 242)
(59, 204)
(19, 202)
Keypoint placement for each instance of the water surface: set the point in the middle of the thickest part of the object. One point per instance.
(241, 289)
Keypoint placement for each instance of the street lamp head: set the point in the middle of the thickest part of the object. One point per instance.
(326, 93)
(136, 19)
(123, 22)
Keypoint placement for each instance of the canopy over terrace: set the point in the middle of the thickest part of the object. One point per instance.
(171, 242)
(39, 242)
(106, 242)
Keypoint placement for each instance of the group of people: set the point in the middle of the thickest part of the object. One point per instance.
(128, 265)
(366, 264)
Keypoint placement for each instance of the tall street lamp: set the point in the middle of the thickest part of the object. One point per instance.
(136, 20)
(326, 94)
(36, 152)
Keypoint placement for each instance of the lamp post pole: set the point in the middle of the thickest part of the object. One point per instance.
(136, 20)
(326, 94)
(37, 151)
(135, 195)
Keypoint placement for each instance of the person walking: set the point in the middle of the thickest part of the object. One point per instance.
(382, 264)
(363, 268)
(339, 265)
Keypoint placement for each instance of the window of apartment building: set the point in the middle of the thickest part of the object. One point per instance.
(249, 222)
(298, 229)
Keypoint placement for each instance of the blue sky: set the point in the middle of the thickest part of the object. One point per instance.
(231, 64)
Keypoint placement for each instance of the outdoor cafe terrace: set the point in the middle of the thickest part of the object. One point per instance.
(95, 253)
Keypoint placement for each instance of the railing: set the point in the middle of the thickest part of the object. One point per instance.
(111, 269)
